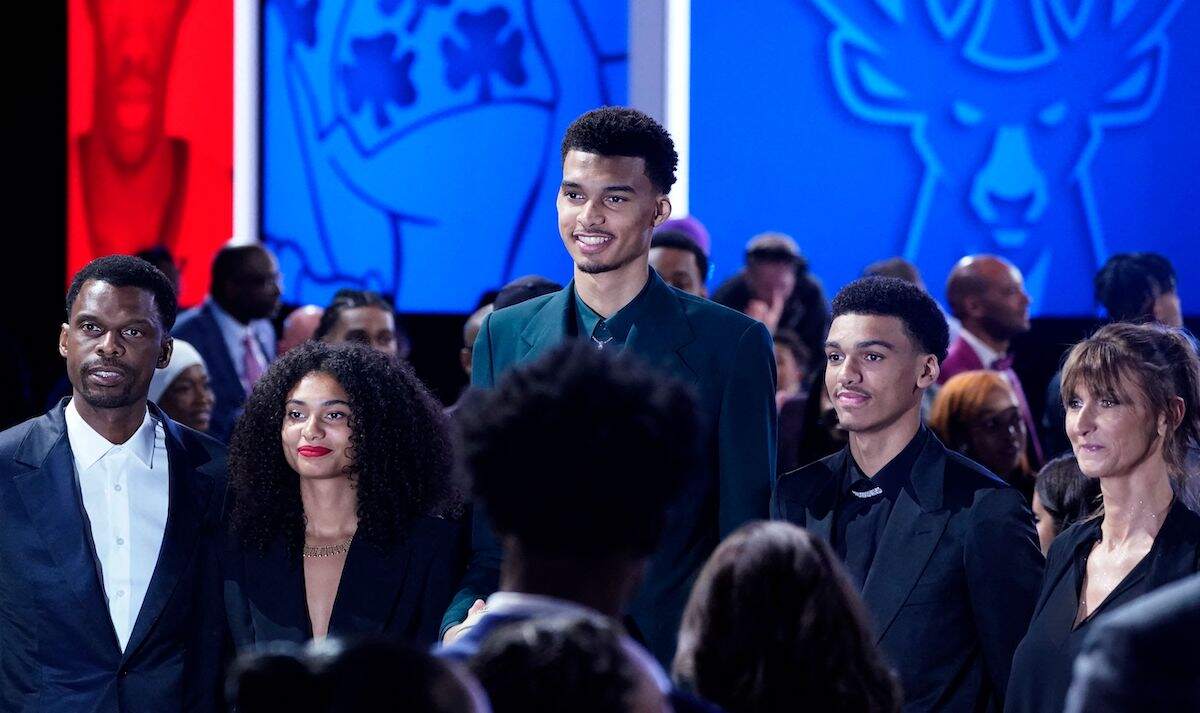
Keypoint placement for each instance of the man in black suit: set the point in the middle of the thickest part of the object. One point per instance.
(1142, 656)
(109, 593)
(618, 168)
(944, 552)
(232, 331)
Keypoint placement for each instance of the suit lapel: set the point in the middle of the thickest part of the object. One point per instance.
(189, 492)
(909, 538)
(51, 497)
(550, 325)
(819, 520)
(220, 365)
(371, 582)
(662, 330)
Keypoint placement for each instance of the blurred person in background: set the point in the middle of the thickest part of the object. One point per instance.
(360, 317)
(977, 414)
(299, 327)
(773, 625)
(182, 390)
(1062, 496)
(677, 258)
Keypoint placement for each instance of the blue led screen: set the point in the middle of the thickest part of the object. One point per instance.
(1053, 132)
(412, 146)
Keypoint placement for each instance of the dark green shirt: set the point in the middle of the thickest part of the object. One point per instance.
(613, 332)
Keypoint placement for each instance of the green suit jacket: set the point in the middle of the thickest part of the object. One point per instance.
(729, 361)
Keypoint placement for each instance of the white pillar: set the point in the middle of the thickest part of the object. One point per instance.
(246, 73)
(660, 76)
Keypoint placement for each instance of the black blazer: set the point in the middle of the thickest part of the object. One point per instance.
(953, 583)
(1135, 658)
(399, 594)
(58, 649)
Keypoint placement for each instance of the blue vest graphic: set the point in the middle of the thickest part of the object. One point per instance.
(411, 146)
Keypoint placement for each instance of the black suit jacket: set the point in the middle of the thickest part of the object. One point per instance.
(728, 359)
(1137, 658)
(399, 593)
(199, 328)
(58, 649)
(953, 583)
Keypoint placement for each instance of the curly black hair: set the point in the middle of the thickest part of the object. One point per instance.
(129, 271)
(403, 465)
(574, 663)
(565, 442)
(620, 131)
(893, 297)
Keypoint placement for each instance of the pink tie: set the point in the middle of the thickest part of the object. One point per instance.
(252, 369)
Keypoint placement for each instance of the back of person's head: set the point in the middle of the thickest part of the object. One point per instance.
(524, 289)
(375, 676)
(680, 240)
(1065, 492)
(129, 271)
(564, 443)
(1151, 366)
(1128, 284)
(773, 622)
(896, 267)
(274, 677)
(575, 664)
(892, 297)
(621, 131)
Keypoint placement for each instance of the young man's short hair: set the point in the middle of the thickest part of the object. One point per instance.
(129, 271)
(681, 241)
(581, 452)
(619, 131)
(893, 297)
(1129, 283)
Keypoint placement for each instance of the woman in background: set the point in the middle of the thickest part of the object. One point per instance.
(1062, 496)
(182, 390)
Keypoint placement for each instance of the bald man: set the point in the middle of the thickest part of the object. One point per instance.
(987, 295)
(299, 327)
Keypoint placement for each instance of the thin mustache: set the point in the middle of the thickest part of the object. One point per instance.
(106, 366)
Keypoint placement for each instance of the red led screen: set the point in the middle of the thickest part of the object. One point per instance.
(150, 131)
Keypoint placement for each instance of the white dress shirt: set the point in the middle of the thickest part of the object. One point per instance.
(987, 355)
(234, 333)
(125, 492)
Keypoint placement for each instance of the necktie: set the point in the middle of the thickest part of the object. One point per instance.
(1004, 366)
(601, 335)
(252, 369)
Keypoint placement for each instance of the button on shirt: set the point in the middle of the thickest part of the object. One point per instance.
(611, 333)
(125, 493)
(865, 504)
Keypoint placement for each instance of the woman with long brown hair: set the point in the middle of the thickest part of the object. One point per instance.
(1132, 394)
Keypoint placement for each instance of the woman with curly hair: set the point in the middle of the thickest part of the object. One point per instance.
(340, 478)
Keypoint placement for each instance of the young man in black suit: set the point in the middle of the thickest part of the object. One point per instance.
(618, 168)
(944, 552)
(110, 596)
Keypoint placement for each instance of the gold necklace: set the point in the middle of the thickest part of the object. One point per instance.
(340, 548)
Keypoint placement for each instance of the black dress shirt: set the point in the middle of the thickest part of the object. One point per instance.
(612, 333)
(1043, 662)
(866, 503)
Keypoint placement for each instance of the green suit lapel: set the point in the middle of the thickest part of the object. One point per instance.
(550, 325)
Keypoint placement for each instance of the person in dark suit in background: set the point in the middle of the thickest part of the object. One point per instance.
(1133, 415)
(943, 551)
(109, 593)
(1136, 659)
(618, 166)
(232, 329)
(340, 478)
(578, 523)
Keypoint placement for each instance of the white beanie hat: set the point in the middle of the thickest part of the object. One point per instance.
(183, 357)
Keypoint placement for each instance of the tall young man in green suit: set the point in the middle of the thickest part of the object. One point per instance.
(618, 168)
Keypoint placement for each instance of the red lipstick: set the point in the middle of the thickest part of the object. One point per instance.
(313, 451)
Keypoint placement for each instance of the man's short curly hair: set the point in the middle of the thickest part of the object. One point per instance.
(893, 297)
(403, 460)
(620, 131)
(581, 452)
(129, 271)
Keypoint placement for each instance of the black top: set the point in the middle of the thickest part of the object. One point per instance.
(866, 503)
(611, 333)
(1043, 663)
(398, 592)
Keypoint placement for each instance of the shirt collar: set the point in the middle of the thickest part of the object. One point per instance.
(892, 477)
(986, 354)
(88, 446)
(622, 321)
(227, 322)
